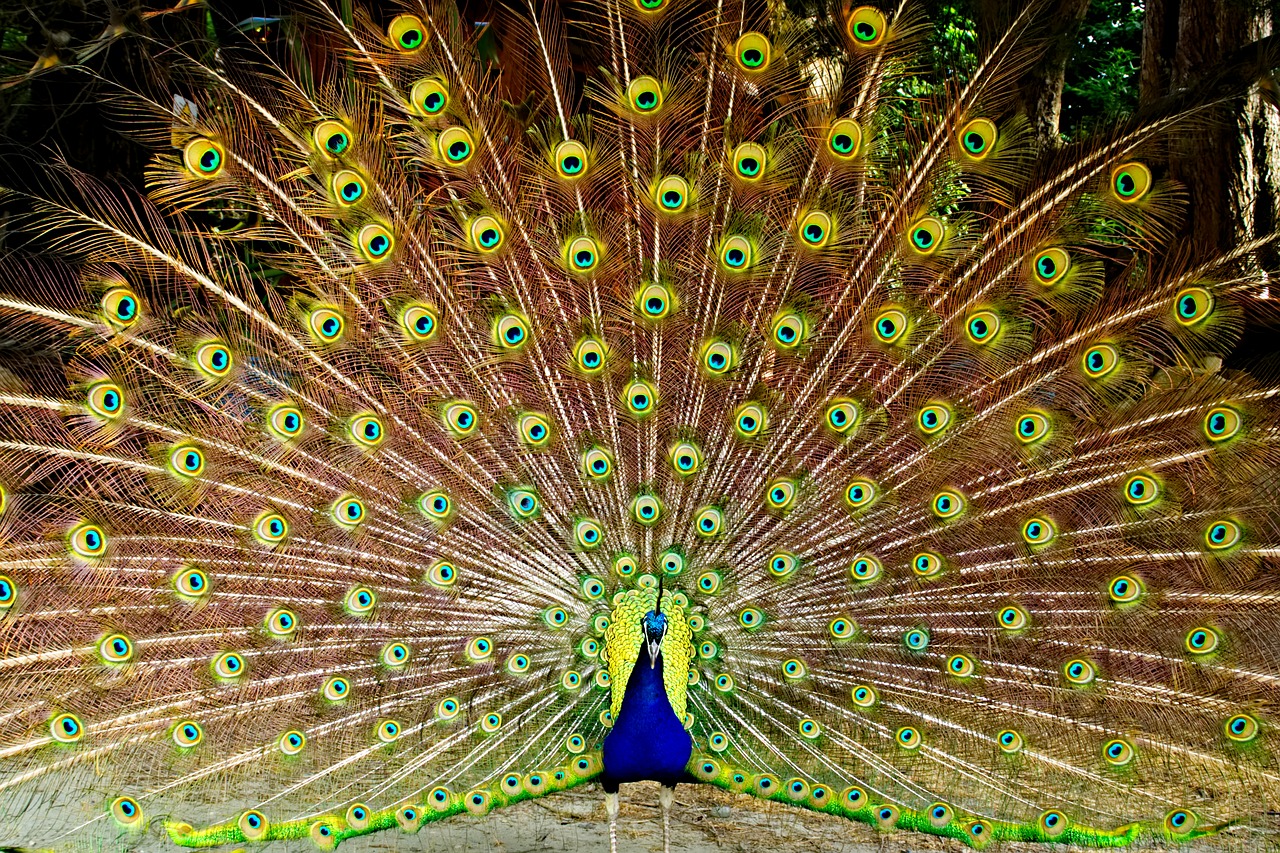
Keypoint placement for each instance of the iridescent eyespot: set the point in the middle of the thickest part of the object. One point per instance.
(752, 52)
(749, 161)
(860, 494)
(87, 541)
(281, 622)
(916, 639)
(1221, 423)
(592, 589)
(442, 574)
(523, 502)
(977, 138)
(1141, 489)
(1079, 672)
(1130, 182)
(1048, 266)
(588, 534)
(1010, 741)
(671, 562)
(1031, 427)
(890, 325)
(718, 357)
(1221, 535)
(709, 583)
(480, 648)
(1241, 728)
(436, 505)
(597, 463)
(105, 400)
(644, 95)
(788, 330)
(366, 430)
(1201, 640)
(336, 689)
(188, 734)
(866, 26)
(204, 158)
(116, 648)
(406, 33)
(582, 254)
(126, 812)
(66, 728)
(8, 592)
(253, 825)
(908, 737)
(487, 234)
(624, 565)
(570, 159)
(841, 628)
(292, 742)
(782, 565)
(460, 419)
(375, 242)
(456, 145)
(419, 322)
(1118, 752)
(780, 494)
(961, 666)
(270, 528)
(708, 650)
(947, 504)
(749, 420)
(926, 564)
(395, 654)
(228, 665)
(736, 253)
(844, 139)
(651, 6)
(1053, 823)
(854, 797)
(359, 601)
(326, 325)
(710, 521)
(1192, 305)
(646, 509)
(186, 461)
(348, 187)
(933, 418)
(655, 301)
(841, 416)
(686, 458)
(671, 195)
(213, 359)
(332, 138)
(285, 422)
(863, 696)
(589, 355)
(982, 327)
(448, 708)
(429, 96)
(1038, 531)
(640, 398)
(1124, 589)
(120, 307)
(348, 511)
(1012, 618)
(1179, 822)
(534, 429)
(517, 664)
(865, 568)
(794, 669)
(750, 618)
(925, 235)
(940, 815)
(408, 818)
(490, 723)
(191, 582)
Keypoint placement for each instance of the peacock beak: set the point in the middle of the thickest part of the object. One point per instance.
(654, 646)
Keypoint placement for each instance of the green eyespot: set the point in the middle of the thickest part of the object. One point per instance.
(1010, 742)
(487, 234)
(395, 655)
(794, 669)
(588, 534)
(736, 254)
(105, 400)
(366, 430)
(982, 327)
(710, 522)
(188, 734)
(456, 146)
(1221, 423)
(750, 420)
(1202, 640)
(582, 255)
(1179, 822)
(1241, 728)
(646, 509)
(671, 561)
(228, 665)
(270, 528)
(841, 628)
(332, 138)
(429, 96)
(8, 593)
(281, 623)
(1099, 361)
(375, 242)
(460, 419)
(571, 159)
(535, 429)
(933, 419)
(1038, 531)
(655, 301)
(844, 139)
(336, 689)
(1125, 589)
(977, 138)
(524, 503)
(186, 461)
(686, 458)
(908, 737)
(326, 325)
(926, 564)
(788, 330)
(1118, 752)
(87, 541)
(1048, 266)
(191, 582)
(213, 360)
(709, 583)
(925, 235)
(120, 308)
(589, 355)
(890, 325)
(780, 494)
(624, 565)
(749, 160)
(816, 229)
(644, 95)
(865, 568)
(1053, 823)
(597, 464)
(66, 728)
(1130, 182)
(204, 158)
(841, 416)
(406, 33)
(1012, 618)
(860, 493)
(1141, 490)
(1192, 305)
(285, 422)
(782, 565)
(718, 357)
(292, 742)
(1032, 427)
(1222, 535)
(1079, 672)
(359, 601)
(752, 52)
(863, 696)
(442, 574)
(640, 398)
(126, 812)
(419, 322)
(916, 639)
(947, 504)
(348, 187)
(866, 26)
(115, 648)
(961, 666)
(671, 195)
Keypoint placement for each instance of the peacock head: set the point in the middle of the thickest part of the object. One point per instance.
(655, 628)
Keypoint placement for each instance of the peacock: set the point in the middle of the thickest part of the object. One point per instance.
(676, 395)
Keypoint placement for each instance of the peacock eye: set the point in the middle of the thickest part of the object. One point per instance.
(844, 139)
(1038, 531)
(347, 187)
(429, 96)
(982, 327)
(597, 463)
(925, 235)
(718, 357)
(419, 322)
(640, 398)
(780, 494)
(395, 654)
(188, 734)
(523, 502)
(926, 564)
(204, 158)
(191, 582)
(281, 622)
(752, 52)
(736, 254)
(359, 601)
(710, 522)
(916, 639)
(442, 574)
(671, 195)
(866, 26)
(87, 541)
(534, 429)
(1118, 752)
(1241, 728)
(646, 509)
(292, 742)
(1012, 618)
(863, 696)
(126, 811)
(8, 593)
(1130, 182)
(655, 301)
(461, 419)
(366, 431)
(376, 242)
(1079, 672)
(977, 138)
(116, 648)
(270, 528)
(1202, 640)
(358, 816)
(406, 33)
(1141, 489)
(456, 146)
(228, 665)
(961, 666)
(709, 583)
(1010, 741)
(326, 325)
(624, 565)
(120, 307)
(487, 234)
(1221, 535)
(1048, 266)
(186, 461)
(890, 325)
(571, 159)
(841, 628)
(933, 418)
(841, 416)
(865, 568)
(671, 562)
(788, 330)
(213, 360)
(947, 504)
(1032, 427)
(105, 400)
(582, 255)
(589, 355)
(332, 138)
(1192, 305)
(686, 458)
(749, 161)
(1222, 423)
(782, 565)
(644, 95)
(749, 420)
(285, 422)
(815, 229)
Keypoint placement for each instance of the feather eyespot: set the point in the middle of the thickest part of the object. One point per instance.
(860, 494)
(908, 737)
(750, 420)
(87, 541)
(718, 357)
(752, 52)
(982, 327)
(736, 254)
(1118, 752)
(597, 464)
(120, 308)
(524, 503)
(419, 322)
(646, 509)
(1222, 535)
(671, 561)
(456, 146)
(655, 301)
(292, 742)
(347, 187)
(1192, 305)
(285, 422)
(710, 521)
(671, 195)
(534, 429)
(686, 458)
(841, 628)
(977, 138)
(866, 26)
(1053, 823)
(395, 655)
(749, 161)
(1202, 640)
(782, 565)
(1222, 423)
(788, 330)
(332, 138)
(1037, 532)
(589, 355)
(460, 419)
(1079, 672)
(844, 139)
(841, 416)
(116, 648)
(105, 400)
(487, 234)
(582, 255)
(188, 734)
(865, 568)
(1141, 490)
(429, 96)
(933, 419)
(1048, 266)
(406, 33)
(126, 812)
(66, 728)
(926, 564)
(270, 528)
(213, 360)
(640, 398)
(890, 325)
(436, 505)
(228, 666)
(8, 593)
(191, 582)
(925, 235)
(863, 696)
(1032, 427)
(571, 159)
(1130, 182)
(588, 534)
(916, 639)
(1179, 822)
(253, 825)
(281, 623)
(204, 158)
(186, 461)
(376, 242)
(1010, 742)
(947, 504)
(780, 494)
(644, 95)
(624, 565)
(1012, 618)
(1241, 728)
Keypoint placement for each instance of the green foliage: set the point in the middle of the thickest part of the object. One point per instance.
(1102, 73)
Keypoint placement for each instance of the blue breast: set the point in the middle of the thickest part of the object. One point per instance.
(648, 740)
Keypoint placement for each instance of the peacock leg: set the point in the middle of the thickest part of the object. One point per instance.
(666, 796)
(611, 806)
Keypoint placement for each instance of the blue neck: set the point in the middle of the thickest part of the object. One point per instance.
(648, 740)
